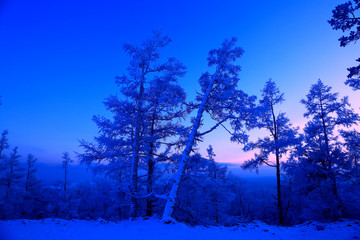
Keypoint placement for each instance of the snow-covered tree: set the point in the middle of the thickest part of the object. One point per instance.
(12, 173)
(345, 17)
(318, 163)
(31, 182)
(165, 101)
(65, 201)
(282, 136)
(146, 117)
(219, 98)
(65, 165)
(4, 143)
(352, 145)
(327, 112)
(32, 199)
(350, 185)
(204, 196)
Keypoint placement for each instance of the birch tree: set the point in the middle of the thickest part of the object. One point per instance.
(217, 98)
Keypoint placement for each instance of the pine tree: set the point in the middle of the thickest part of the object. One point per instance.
(13, 173)
(350, 187)
(203, 197)
(320, 159)
(166, 100)
(4, 143)
(31, 183)
(218, 98)
(4, 161)
(146, 116)
(282, 137)
(32, 189)
(345, 18)
(65, 165)
(352, 144)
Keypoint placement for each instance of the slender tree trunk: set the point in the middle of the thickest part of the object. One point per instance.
(151, 167)
(9, 182)
(120, 196)
(134, 174)
(278, 182)
(169, 207)
(278, 176)
(134, 178)
(149, 202)
(65, 179)
(27, 182)
(135, 153)
(171, 200)
(331, 173)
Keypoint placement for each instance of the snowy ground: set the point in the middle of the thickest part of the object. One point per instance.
(54, 229)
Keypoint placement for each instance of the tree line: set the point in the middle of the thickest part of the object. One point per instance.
(148, 151)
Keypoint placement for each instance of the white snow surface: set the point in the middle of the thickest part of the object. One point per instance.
(56, 229)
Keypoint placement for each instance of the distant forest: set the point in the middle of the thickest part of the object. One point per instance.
(148, 150)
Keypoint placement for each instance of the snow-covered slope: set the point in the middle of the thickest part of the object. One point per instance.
(56, 229)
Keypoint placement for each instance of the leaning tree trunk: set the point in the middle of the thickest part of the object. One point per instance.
(171, 199)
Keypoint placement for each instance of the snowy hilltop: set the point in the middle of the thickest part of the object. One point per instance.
(54, 229)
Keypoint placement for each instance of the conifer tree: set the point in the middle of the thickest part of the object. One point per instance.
(32, 198)
(31, 182)
(13, 173)
(347, 19)
(352, 144)
(282, 136)
(220, 99)
(65, 165)
(145, 116)
(319, 162)
(4, 143)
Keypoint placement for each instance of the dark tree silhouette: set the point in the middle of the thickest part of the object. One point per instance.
(345, 18)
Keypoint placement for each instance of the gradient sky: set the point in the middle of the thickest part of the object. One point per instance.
(58, 59)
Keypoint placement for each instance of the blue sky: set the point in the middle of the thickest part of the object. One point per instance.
(58, 59)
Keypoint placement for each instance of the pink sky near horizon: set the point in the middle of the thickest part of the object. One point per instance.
(228, 152)
(60, 61)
